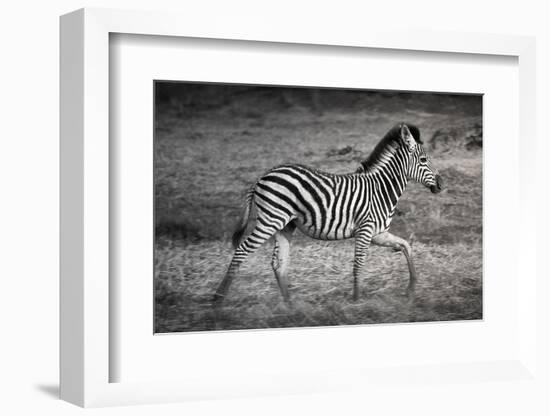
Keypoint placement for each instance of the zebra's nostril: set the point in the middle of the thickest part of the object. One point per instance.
(438, 186)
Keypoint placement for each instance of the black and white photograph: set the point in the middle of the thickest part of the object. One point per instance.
(292, 207)
(270, 208)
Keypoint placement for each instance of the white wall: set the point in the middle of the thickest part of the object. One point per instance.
(29, 189)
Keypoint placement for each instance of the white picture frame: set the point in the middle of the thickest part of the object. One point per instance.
(85, 162)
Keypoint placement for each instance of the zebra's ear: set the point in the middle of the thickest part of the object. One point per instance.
(407, 137)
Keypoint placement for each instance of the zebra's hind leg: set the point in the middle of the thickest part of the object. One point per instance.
(387, 239)
(249, 245)
(281, 258)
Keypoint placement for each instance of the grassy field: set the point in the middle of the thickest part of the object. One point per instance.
(207, 157)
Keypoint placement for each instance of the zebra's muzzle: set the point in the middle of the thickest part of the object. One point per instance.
(438, 187)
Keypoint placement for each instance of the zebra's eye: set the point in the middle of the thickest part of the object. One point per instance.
(423, 159)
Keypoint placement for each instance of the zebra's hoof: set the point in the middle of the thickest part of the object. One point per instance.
(217, 298)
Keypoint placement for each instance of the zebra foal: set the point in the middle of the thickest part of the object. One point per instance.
(328, 206)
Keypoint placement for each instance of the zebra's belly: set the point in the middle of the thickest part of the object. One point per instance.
(326, 232)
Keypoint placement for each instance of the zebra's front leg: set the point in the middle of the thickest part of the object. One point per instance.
(281, 259)
(362, 242)
(387, 239)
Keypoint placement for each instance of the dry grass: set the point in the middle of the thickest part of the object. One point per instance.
(204, 163)
(320, 276)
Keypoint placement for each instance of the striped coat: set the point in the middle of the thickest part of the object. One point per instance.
(328, 206)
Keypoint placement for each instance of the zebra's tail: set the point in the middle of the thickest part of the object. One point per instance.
(241, 228)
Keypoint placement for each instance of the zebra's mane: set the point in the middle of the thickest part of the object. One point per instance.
(388, 145)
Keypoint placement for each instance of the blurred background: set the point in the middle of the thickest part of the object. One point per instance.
(212, 141)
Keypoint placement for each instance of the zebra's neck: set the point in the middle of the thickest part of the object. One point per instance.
(389, 178)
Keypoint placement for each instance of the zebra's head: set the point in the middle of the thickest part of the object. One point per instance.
(420, 166)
